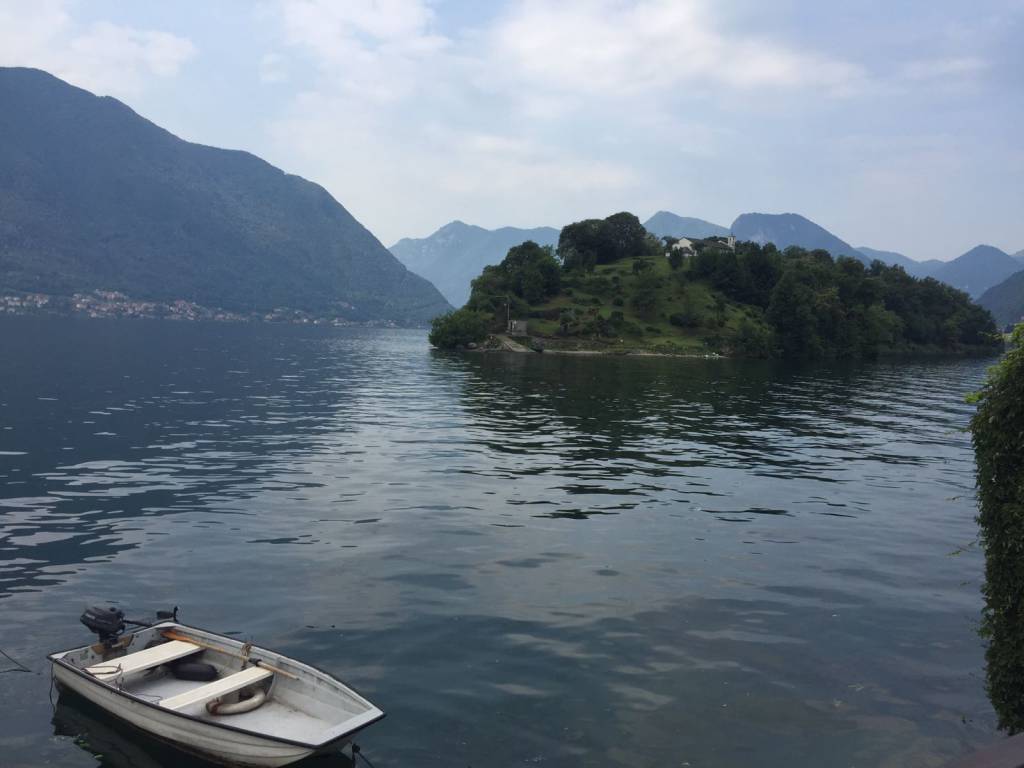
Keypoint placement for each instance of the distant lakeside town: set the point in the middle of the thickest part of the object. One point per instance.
(113, 304)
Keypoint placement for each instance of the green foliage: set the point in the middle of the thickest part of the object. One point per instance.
(687, 318)
(585, 244)
(998, 435)
(527, 275)
(749, 300)
(645, 293)
(754, 340)
(825, 308)
(458, 329)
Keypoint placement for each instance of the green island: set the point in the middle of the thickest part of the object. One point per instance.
(611, 287)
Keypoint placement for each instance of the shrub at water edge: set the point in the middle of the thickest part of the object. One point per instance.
(458, 329)
(998, 435)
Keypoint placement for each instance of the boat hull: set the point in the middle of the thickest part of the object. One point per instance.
(224, 746)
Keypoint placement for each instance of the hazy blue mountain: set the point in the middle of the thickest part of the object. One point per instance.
(664, 223)
(455, 254)
(910, 266)
(1019, 256)
(93, 196)
(978, 270)
(786, 229)
(1006, 300)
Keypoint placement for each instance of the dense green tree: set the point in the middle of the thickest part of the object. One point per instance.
(582, 245)
(998, 435)
(754, 340)
(585, 244)
(527, 275)
(626, 236)
(791, 313)
(458, 329)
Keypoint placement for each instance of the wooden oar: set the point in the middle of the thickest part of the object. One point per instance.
(170, 634)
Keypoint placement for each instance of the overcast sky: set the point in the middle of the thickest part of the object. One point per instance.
(897, 125)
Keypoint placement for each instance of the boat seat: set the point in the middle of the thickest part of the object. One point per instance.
(217, 688)
(141, 660)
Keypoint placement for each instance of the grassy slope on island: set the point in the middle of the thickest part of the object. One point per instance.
(615, 289)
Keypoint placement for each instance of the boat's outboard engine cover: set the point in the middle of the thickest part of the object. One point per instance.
(108, 623)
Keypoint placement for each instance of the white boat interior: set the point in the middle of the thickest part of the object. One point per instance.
(302, 704)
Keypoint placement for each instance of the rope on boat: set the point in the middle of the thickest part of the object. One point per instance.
(19, 667)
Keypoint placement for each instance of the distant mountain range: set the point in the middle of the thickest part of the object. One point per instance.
(974, 272)
(457, 252)
(910, 266)
(1006, 300)
(665, 224)
(978, 270)
(93, 196)
(786, 229)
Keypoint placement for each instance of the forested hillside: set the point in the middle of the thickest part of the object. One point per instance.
(93, 196)
(611, 285)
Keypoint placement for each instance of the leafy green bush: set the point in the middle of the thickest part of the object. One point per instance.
(458, 329)
(688, 318)
(998, 435)
(753, 339)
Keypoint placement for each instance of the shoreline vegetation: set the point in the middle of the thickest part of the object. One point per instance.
(997, 432)
(611, 288)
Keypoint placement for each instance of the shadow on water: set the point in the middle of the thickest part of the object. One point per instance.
(114, 744)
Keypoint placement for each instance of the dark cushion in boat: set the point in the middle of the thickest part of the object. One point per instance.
(193, 670)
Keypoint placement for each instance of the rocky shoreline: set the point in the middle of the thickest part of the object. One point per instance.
(534, 345)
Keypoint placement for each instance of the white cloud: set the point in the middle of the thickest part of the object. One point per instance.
(655, 45)
(472, 118)
(103, 57)
(371, 49)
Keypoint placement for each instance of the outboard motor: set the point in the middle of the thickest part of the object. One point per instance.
(108, 623)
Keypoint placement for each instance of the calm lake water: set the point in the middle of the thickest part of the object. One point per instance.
(525, 560)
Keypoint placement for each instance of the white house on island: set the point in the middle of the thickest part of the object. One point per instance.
(687, 246)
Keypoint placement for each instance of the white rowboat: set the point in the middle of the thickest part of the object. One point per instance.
(295, 710)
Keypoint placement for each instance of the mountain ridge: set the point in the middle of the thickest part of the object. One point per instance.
(94, 196)
(786, 229)
(668, 224)
(457, 252)
(977, 270)
(910, 266)
(1006, 300)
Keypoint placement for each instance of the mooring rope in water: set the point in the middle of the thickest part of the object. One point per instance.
(357, 752)
(19, 668)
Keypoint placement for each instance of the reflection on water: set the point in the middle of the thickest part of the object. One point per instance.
(547, 559)
(113, 745)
